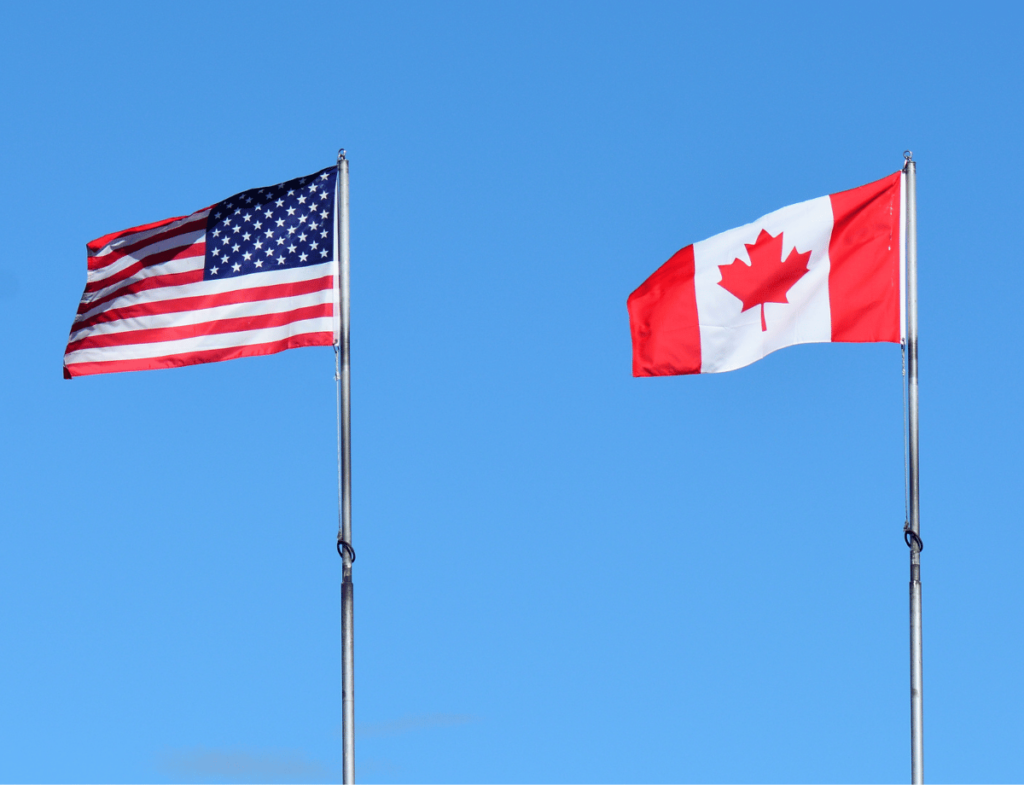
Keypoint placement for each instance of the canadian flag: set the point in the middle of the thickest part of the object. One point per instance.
(829, 269)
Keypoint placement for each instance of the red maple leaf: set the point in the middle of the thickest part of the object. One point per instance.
(767, 278)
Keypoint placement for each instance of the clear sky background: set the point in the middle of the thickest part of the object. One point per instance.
(564, 573)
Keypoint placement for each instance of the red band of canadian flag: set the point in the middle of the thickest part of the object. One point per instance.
(829, 269)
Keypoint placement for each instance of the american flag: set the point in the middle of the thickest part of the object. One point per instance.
(254, 274)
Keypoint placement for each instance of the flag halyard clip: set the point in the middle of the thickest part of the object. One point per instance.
(909, 536)
(345, 546)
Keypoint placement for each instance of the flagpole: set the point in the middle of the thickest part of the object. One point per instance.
(912, 533)
(348, 730)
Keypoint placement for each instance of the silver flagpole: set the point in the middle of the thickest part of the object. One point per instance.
(348, 713)
(912, 533)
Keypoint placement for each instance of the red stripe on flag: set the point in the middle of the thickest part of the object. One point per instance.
(156, 282)
(156, 307)
(97, 245)
(188, 252)
(864, 259)
(216, 327)
(663, 320)
(99, 262)
(205, 356)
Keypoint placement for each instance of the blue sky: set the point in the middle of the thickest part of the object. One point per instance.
(564, 573)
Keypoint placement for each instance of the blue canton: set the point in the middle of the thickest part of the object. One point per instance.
(274, 228)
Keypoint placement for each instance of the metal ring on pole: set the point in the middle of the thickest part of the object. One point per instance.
(341, 155)
(344, 546)
(910, 536)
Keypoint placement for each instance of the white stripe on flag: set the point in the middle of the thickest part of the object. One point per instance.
(202, 288)
(182, 265)
(138, 237)
(187, 345)
(189, 316)
(181, 241)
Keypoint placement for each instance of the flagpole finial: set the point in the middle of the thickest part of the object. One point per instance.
(341, 155)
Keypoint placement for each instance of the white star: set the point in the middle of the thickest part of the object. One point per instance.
(323, 233)
(214, 270)
(324, 176)
(313, 224)
(280, 221)
(258, 225)
(227, 222)
(280, 260)
(323, 195)
(269, 252)
(235, 247)
(217, 214)
(291, 211)
(236, 228)
(302, 219)
(225, 240)
(246, 236)
(269, 213)
(302, 237)
(323, 214)
(313, 245)
(259, 262)
(236, 267)
(216, 251)
(291, 229)
(291, 248)
(312, 188)
(216, 232)
(323, 253)
(302, 181)
(237, 210)
(247, 216)
(269, 233)
(302, 257)
(279, 203)
(229, 205)
(302, 200)
(248, 200)
(259, 244)
(291, 193)
(247, 256)
(280, 241)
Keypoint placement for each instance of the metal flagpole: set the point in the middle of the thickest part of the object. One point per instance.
(912, 531)
(348, 555)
